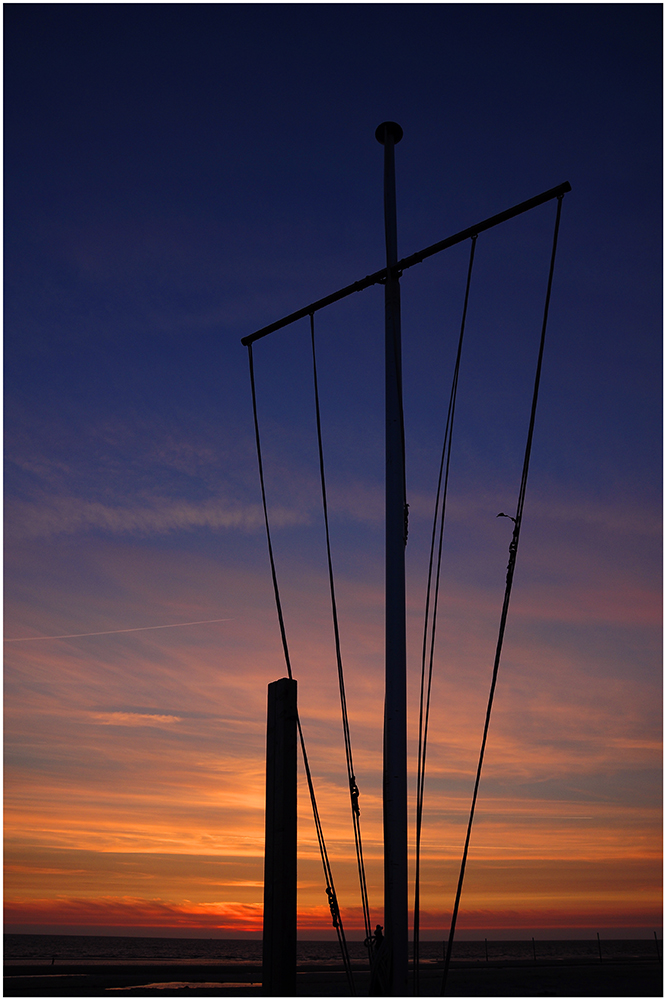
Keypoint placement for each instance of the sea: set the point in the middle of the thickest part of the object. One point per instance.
(70, 949)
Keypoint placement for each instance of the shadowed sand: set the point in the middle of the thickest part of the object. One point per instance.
(637, 978)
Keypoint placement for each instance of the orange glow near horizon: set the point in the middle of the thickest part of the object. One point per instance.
(145, 808)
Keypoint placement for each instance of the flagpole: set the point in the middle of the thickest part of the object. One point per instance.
(395, 701)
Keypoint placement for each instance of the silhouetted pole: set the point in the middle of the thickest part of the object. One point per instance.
(395, 702)
(279, 951)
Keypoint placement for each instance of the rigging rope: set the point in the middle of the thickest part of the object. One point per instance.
(430, 618)
(276, 590)
(353, 787)
(328, 874)
(513, 550)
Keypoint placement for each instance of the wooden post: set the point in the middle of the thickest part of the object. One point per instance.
(279, 951)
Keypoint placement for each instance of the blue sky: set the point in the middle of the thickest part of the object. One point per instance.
(177, 176)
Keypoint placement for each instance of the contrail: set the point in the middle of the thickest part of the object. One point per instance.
(114, 631)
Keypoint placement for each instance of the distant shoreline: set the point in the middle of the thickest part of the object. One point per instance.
(85, 965)
(609, 978)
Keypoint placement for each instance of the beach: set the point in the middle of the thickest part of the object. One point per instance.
(621, 978)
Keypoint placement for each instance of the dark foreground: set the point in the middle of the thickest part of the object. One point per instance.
(610, 978)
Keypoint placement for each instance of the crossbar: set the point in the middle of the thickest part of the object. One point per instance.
(380, 276)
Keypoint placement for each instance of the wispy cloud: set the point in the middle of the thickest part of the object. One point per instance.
(133, 719)
(116, 631)
(134, 912)
(71, 515)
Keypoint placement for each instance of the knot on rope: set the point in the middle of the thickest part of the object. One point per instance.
(513, 545)
(513, 549)
(333, 905)
(354, 792)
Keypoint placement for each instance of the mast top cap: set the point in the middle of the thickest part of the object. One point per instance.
(390, 128)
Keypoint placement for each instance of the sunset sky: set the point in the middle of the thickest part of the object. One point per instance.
(178, 176)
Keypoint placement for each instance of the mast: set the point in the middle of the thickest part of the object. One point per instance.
(393, 971)
(395, 700)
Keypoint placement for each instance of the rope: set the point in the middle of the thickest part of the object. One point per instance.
(353, 787)
(424, 704)
(513, 551)
(328, 874)
(276, 590)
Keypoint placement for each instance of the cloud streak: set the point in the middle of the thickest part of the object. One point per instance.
(71, 515)
(116, 631)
